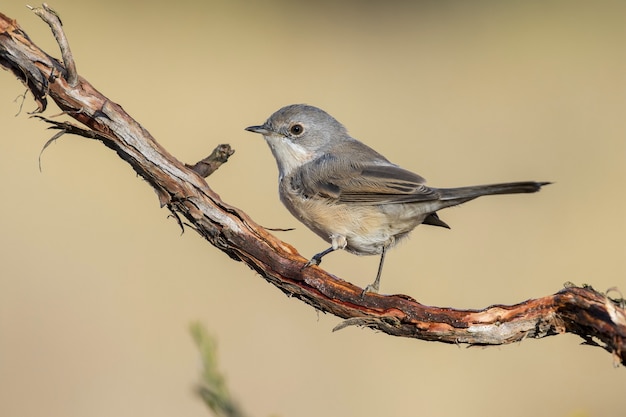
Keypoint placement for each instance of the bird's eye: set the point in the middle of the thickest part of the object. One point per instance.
(296, 129)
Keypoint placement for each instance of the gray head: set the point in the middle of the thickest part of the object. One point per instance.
(299, 133)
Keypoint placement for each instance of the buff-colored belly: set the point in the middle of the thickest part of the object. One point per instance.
(367, 229)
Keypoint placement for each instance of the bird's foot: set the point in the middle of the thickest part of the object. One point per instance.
(373, 288)
(314, 261)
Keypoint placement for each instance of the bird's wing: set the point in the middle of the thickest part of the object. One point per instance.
(357, 182)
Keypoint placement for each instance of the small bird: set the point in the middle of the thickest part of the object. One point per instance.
(349, 194)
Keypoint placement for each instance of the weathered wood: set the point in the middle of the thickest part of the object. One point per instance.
(593, 316)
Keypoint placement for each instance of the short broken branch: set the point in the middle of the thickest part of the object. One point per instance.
(211, 163)
(593, 316)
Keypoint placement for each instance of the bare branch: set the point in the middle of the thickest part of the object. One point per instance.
(593, 316)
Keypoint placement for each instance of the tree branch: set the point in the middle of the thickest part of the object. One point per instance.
(598, 319)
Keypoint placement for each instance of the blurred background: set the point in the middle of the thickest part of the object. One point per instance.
(98, 286)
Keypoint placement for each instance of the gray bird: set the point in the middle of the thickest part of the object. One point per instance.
(349, 194)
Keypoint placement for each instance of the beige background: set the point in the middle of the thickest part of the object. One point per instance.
(98, 288)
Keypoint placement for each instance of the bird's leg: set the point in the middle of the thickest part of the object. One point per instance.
(317, 258)
(337, 241)
(373, 287)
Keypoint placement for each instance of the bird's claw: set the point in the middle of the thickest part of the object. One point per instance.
(314, 261)
(373, 288)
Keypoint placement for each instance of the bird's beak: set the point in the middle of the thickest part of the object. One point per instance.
(258, 129)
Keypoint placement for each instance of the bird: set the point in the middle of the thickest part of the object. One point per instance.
(349, 194)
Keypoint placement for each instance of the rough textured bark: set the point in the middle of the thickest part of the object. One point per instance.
(595, 317)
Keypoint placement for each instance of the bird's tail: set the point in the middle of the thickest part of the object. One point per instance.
(460, 195)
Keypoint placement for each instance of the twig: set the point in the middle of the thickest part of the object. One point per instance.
(48, 15)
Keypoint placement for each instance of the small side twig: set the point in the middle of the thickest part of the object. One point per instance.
(69, 128)
(211, 163)
(48, 15)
